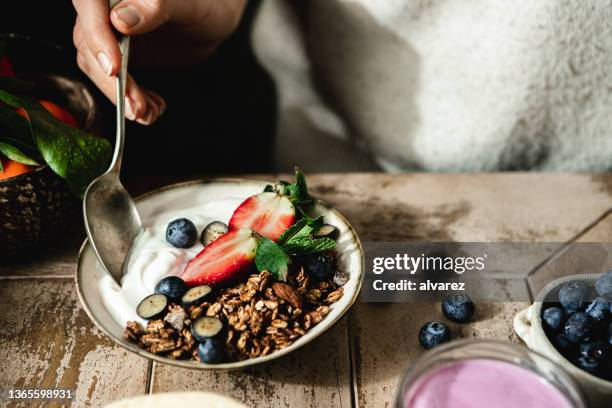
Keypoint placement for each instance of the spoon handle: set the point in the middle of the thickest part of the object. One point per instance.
(124, 47)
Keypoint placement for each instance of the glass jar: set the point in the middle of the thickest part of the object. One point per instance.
(453, 354)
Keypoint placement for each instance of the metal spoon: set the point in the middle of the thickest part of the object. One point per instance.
(111, 218)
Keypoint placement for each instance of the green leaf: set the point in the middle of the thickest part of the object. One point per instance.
(303, 227)
(293, 230)
(15, 101)
(298, 240)
(271, 257)
(71, 153)
(17, 155)
(308, 246)
(15, 129)
(298, 192)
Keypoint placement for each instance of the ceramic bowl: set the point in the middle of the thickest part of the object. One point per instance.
(90, 273)
(528, 326)
(178, 399)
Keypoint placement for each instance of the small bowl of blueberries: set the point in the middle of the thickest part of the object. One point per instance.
(571, 323)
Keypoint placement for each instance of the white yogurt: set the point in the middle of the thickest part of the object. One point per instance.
(153, 258)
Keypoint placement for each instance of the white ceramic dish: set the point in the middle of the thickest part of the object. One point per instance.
(90, 272)
(528, 326)
(178, 399)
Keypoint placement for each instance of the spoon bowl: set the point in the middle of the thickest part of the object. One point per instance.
(112, 222)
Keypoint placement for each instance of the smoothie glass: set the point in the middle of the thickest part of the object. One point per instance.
(483, 373)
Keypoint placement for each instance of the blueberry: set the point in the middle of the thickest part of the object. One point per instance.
(553, 317)
(563, 344)
(593, 356)
(212, 232)
(181, 233)
(599, 309)
(573, 295)
(458, 307)
(212, 351)
(433, 334)
(196, 295)
(171, 286)
(603, 285)
(152, 307)
(320, 267)
(327, 231)
(579, 327)
(206, 327)
(595, 350)
(588, 365)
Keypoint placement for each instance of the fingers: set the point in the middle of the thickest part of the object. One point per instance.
(133, 17)
(142, 106)
(97, 34)
(202, 19)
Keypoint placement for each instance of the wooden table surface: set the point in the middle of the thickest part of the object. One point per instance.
(47, 341)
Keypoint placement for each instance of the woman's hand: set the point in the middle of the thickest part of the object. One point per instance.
(169, 33)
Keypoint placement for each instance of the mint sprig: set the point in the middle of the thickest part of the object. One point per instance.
(296, 240)
(309, 246)
(303, 227)
(296, 192)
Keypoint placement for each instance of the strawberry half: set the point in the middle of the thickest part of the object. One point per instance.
(224, 261)
(268, 214)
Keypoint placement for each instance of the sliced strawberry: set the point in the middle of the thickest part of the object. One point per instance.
(268, 214)
(224, 261)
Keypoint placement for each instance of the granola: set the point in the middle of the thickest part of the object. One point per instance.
(260, 316)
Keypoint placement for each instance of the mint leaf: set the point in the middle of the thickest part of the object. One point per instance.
(308, 246)
(71, 153)
(298, 191)
(298, 239)
(271, 257)
(303, 227)
(17, 155)
(293, 230)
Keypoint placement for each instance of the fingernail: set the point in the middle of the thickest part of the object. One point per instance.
(105, 63)
(129, 110)
(158, 104)
(146, 119)
(128, 15)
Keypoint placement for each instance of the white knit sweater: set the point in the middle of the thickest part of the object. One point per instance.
(440, 85)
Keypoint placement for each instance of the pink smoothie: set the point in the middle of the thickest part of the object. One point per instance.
(483, 383)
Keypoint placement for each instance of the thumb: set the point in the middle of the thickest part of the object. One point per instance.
(133, 17)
